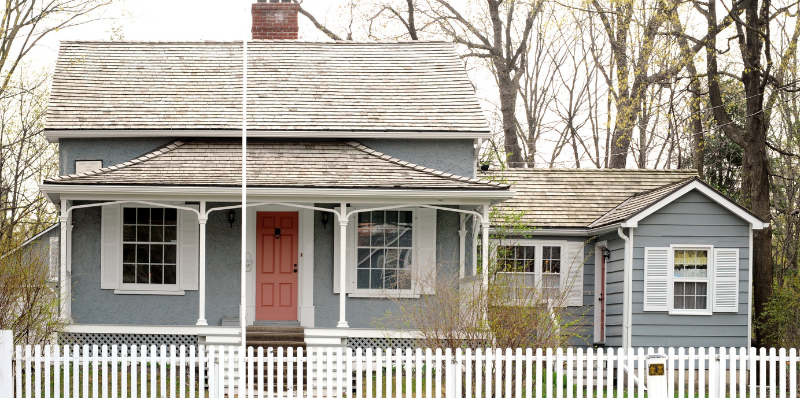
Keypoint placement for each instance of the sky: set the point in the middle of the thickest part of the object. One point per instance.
(174, 20)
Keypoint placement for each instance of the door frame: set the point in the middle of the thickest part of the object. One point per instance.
(599, 281)
(305, 265)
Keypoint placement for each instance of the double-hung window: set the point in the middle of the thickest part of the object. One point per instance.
(690, 279)
(532, 265)
(384, 250)
(149, 246)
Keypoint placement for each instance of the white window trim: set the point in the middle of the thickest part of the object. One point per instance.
(539, 244)
(147, 288)
(709, 280)
(352, 267)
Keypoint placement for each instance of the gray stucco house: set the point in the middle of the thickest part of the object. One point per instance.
(654, 258)
(150, 151)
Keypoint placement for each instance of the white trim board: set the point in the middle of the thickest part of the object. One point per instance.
(755, 223)
(55, 135)
(156, 329)
(182, 193)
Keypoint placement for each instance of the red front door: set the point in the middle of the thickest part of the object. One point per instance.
(276, 276)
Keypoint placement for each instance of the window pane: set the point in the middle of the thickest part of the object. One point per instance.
(404, 279)
(390, 279)
(678, 288)
(680, 257)
(142, 273)
(391, 229)
(555, 267)
(363, 278)
(129, 273)
(556, 253)
(170, 216)
(156, 216)
(701, 302)
(129, 216)
(170, 234)
(170, 253)
(156, 233)
(701, 288)
(156, 253)
(157, 274)
(377, 279)
(377, 259)
(142, 215)
(143, 233)
(364, 229)
(129, 233)
(690, 304)
(376, 237)
(170, 275)
(530, 252)
(363, 258)
(142, 253)
(405, 259)
(678, 303)
(129, 253)
(689, 288)
(391, 258)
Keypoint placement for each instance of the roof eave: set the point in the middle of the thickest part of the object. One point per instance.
(54, 135)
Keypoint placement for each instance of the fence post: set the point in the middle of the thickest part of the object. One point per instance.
(656, 376)
(6, 371)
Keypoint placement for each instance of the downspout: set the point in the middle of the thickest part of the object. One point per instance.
(626, 293)
(64, 283)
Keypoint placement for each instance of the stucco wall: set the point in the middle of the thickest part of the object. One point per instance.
(111, 151)
(455, 156)
(364, 312)
(92, 305)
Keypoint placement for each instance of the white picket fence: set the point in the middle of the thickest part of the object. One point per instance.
(131, 372)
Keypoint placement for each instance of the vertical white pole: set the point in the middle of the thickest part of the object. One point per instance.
(462, 236)
(485, 244)
(6, 373)
(201, 320)
(64, 283)
(243, 300)
(342, 266)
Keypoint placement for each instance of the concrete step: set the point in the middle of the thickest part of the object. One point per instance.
(255, 344)
(275, 336)
(285, 329)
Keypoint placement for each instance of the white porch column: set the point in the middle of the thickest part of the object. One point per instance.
(201, 320)
(485, 244)
(342, 266)
(65, 284)
(462, 236)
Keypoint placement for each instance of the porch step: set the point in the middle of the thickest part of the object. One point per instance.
(275, 336)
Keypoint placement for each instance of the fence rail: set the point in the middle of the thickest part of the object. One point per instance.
(141, 372)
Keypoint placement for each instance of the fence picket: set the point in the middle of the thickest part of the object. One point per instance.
(763, 370)
(368, 360)
(467, 373)
(518, 373)
(56, 372)
(200, 371)
(771, 361)
(300, 380)
(742, 372)
(559, 372)
(793, 373)
(782, 371)
(438, 364)
(359, 374)
(589, 373)
(732, 357)
(701, 372)
(418, 367)
(279, 378)
(712, 373)
(479, 368)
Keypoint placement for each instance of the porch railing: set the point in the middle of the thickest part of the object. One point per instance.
(197, 372)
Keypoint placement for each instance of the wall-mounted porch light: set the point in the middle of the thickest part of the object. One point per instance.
(606, 253)
(325, 217)
(231, 217)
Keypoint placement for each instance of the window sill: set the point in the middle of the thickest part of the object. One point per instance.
(153, 292)
(385, 295)
(690, 312)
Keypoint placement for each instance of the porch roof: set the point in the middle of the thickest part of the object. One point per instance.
(329, 164)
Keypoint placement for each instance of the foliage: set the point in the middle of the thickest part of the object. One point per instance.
(781, 318)
(29, 301)
(508, 311)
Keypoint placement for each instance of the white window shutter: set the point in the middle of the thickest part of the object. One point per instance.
(189, 252)
(726, 280)
(656, 278)
(350, 255)
(426, 250)
(54, 258)
(572, 273)
(111, 246)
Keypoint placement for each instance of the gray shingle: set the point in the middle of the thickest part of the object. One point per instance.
(298, 86)
(273, 163)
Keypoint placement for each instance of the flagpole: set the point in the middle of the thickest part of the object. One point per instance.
(243, 300)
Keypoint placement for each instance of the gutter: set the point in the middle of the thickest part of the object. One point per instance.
(564, 231)
(627, 283)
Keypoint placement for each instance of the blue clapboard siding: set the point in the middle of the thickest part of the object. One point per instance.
(614, 288)
(691, 219)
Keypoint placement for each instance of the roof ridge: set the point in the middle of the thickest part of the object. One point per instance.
(421, 168)
(678, 184)
(147, 156)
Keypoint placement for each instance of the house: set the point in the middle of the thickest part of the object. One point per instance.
(651, 258)
(366, 147)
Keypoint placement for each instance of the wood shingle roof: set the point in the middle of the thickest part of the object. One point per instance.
(575, 198)
(415, 87)
(275, 163)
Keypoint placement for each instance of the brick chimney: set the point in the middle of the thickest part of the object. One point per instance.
(275, 19)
